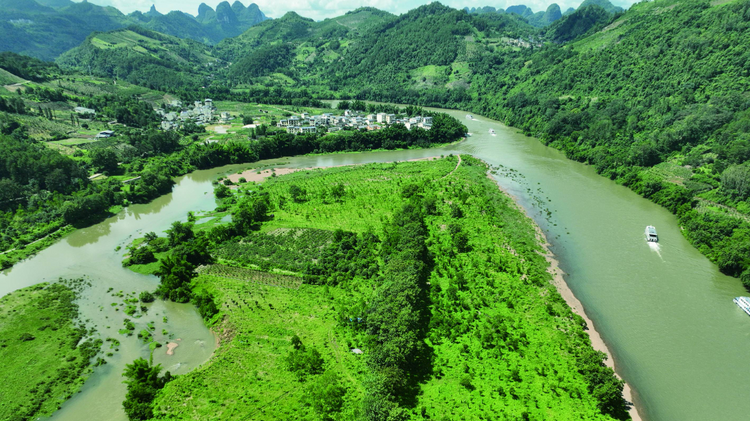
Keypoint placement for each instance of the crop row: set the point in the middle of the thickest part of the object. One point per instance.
(251, 275)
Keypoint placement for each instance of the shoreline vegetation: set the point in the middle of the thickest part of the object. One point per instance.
(558, 280)
(140, 164)
(324, 332)
(47, 352)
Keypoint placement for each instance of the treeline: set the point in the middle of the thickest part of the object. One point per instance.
(28, 167)
(28, 68)
(127, 110)
(397, 318)
(255, 94)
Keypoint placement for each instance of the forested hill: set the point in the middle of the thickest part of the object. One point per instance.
(654, 97)
(295, 29)
(47, 28)
(425, 51)
(657, 100)
(143, 57)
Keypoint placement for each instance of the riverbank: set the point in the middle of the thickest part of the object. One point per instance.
(558, 280)
(38, 373)
(257, 176)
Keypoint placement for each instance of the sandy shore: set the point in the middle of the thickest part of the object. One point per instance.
(256, 175)
(562, 287)
(171, 346)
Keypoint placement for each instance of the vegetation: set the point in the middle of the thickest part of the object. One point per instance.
(50, 187)
(632, 93)
(666, 122)
(143, 382)
(32, 29)
(46, 352)
(409, 308)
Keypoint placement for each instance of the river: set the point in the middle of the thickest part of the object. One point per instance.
(666, 312)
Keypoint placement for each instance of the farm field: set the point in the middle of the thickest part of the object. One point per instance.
(481, 332)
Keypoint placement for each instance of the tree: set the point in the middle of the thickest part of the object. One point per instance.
(146, 297)
(326, 395)
(737, 179)
(338, 191)
(221, 191)
(104, 160)
(141, 256)
(206, 305)
(180, 233)
(297, 193)
(176, 274)
(143, 383)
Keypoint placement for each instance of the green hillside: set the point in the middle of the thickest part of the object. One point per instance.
(657, 100)
(303, 32)
(47, 28)
(143, 57)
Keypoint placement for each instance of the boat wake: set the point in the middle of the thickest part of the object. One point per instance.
(655, 247)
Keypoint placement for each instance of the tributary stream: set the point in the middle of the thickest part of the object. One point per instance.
(666, 312)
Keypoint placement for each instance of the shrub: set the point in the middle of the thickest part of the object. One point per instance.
(27, 337)
(146, 297)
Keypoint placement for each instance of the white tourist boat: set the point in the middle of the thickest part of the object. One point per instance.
(743, 303)
(492, 131)
(651, 234)
(469, 116)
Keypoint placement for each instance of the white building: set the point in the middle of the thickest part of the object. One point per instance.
(301, 129)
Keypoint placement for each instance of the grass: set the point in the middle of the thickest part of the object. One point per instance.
(246, 377)
(43, 360)
(44, 239)
(670, 172)
(502, 338)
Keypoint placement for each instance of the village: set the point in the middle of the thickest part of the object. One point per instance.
(307, 123)
(205, 112)
(201, 113)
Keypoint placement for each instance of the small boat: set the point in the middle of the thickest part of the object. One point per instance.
(651, 234)
(469, 116)
(492, 131)
(743, 303)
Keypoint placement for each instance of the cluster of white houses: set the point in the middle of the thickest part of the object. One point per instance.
(310, 124)
(201, 113)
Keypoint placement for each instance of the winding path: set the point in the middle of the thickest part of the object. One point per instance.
(457, 165)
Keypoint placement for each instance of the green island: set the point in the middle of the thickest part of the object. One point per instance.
(382, 291)
(411, 290)
(47, 353)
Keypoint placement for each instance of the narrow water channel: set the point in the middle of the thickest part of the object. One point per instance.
(666, 313)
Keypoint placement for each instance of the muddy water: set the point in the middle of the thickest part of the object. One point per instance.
(666, 312)
(90, 252)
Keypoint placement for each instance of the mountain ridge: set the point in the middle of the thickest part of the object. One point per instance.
(47, 28)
